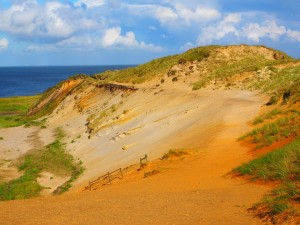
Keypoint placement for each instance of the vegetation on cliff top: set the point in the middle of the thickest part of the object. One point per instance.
(216, 65)
(155, 68)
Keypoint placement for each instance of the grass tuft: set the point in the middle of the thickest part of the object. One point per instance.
(269, 133)
(281, 165)
(174, 153)
(53, 158)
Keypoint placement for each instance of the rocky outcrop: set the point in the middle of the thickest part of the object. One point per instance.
(117, 87)
(278, 56)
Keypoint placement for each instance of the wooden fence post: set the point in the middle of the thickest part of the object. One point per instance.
(144, 160)
(121, 173)
(108, 174)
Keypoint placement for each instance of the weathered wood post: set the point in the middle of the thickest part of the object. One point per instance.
(144, 160)
(121, 173)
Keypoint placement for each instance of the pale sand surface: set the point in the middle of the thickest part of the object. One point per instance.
(190, 191)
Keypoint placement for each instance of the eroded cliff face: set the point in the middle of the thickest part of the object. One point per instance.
(52, 98)
(117, 87)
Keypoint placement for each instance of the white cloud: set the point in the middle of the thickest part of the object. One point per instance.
(90, 3)
(176, 15)
(187, 46)
(238, 27)
(218, 31)
(113, 38)
(55, 24)
(49, 22)
(52, 25)
(161, 13)
(200, 14)
(269, 29)
(3, 43)
(294, 35)
(233, 18)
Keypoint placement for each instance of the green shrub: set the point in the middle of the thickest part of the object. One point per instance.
(174, 153)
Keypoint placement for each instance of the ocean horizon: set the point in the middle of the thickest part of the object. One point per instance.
(33, 80)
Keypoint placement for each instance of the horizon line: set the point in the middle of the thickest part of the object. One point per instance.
(67, 65)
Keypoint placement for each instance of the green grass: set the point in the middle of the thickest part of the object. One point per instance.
(278, 200)
(281, 165)
(216, 67)
(224, 68)
(283, 85)
(279, 79)
(155, 68)
(24, 187)
(13, 110)
(174, 153)
(53, 158)
(267, 116)
(269, 133)
(49, 106)
(17, 105)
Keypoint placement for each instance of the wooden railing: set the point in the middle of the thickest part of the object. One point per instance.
(110, 176)
(105, 179)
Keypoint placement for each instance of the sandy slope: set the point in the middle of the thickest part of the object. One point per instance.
(192, 191)
(156, 122)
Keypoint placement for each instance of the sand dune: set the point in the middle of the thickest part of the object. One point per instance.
(151, 121)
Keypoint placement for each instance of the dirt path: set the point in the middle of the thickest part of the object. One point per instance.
(34, 140)
(186, 193)
(195, 190)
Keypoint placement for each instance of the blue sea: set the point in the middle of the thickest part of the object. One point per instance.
(24, 81)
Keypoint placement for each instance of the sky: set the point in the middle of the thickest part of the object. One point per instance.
(116, 32)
